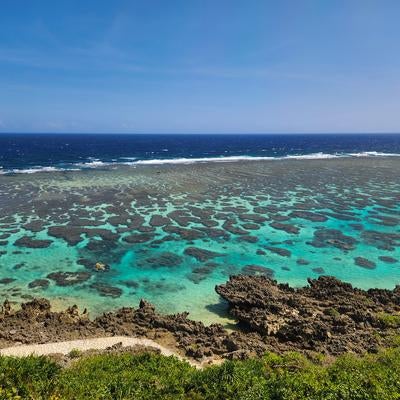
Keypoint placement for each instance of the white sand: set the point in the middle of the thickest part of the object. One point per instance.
(86, 344)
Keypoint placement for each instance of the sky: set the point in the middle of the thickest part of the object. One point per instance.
(193, 66)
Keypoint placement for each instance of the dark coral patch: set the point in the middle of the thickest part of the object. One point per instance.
(100, 245)
(27, 241)
(119, 220)
(130, 283)
(249, 239)
(334, 238)
(388, 259)
(279, 251)
(6, 281)
(72, 235)
(104, 234)
(258, 270)
(302, 261)
(252, 218)
(138, 238)
(364, 263)
(34, 226)
(201, 254)
(185, 234)
(69, 278)
(106, 290)
(381, 240)
(200, 273)
(288, 228)
(165, 259)
(308, 215)
(230, 227)
(39, 283)
(250, 226)
(159, 220)
(161, 287)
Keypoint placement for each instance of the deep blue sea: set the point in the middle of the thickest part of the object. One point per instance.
(35, 152)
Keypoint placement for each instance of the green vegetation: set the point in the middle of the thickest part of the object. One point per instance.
(74, 353)
(389, 320)
(333, 312)
(150, 376)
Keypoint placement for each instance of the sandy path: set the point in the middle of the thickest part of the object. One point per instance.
(86, 344)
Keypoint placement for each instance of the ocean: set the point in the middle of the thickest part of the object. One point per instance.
(48, 152)
(105, 220)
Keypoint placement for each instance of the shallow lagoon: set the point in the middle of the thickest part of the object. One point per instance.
(170, 233)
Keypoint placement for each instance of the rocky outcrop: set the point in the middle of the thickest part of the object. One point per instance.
(35, 322)
(328, 316)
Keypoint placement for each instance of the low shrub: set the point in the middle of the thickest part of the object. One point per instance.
(389, 320)
(152, 376)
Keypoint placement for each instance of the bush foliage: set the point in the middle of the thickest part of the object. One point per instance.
(151, 376)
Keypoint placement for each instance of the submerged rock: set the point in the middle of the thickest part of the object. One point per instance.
(35, 226)
(333, 237)
(252, 218)
(39, 283)
(6, 281)
(250, 226)
(159, 220)
(106, 290)
(248, 239)
(184, 233)
(72, 235)
(69, 278)
(230, 227)
(138, 238)
(308, 215)
(27, 241)
(364, 262)
(279, 251)
(130, 284)
(388, 259)
(258, 270)
(382, 240)
(198, 274)
(302, 261)
(201, 254)
(165, 259)
(285, 227)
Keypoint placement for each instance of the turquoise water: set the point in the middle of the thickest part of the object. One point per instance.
(288, 219)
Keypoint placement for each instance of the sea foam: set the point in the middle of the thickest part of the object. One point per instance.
(133, 161)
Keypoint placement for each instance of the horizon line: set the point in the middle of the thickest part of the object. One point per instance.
(199, 133)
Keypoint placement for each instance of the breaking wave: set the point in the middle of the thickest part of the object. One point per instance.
(133, 161)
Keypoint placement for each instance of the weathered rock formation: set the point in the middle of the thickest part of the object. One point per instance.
(328, 316)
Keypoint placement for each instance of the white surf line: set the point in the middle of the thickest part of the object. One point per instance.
(87, 344)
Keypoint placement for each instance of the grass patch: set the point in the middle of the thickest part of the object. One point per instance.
(151, 376)
(389, 320)
(74, 353)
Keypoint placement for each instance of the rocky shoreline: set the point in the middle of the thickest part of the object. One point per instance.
(327, 316)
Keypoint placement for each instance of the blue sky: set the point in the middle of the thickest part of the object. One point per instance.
(200, 66)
